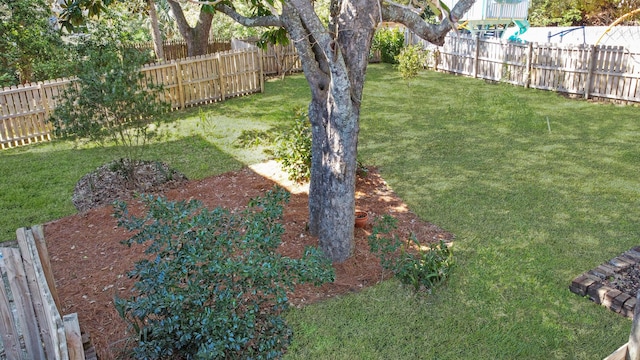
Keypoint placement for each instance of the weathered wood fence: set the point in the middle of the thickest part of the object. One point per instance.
(174, 50)
(30, 319)
(280, 60)
(607, 72)
(24, 109)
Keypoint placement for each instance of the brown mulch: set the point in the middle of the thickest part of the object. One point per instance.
(90, 264)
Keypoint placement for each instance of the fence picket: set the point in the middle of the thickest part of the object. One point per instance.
(8, 329)
(49, 319)
(23, 300)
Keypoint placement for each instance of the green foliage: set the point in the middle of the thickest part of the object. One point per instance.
(294, 148)
(111, 100)
(215, 286)
(276, 36)
(574, 13)
(411, 262)
(30, 49)
(411, 60)
(389, 42)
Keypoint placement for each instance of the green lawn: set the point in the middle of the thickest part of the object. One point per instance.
(531, 209)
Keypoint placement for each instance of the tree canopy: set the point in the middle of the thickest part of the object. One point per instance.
(575, 13)
(30, 48)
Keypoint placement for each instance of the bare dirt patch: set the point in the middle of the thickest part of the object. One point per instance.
(90, 264)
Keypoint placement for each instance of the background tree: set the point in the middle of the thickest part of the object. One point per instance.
(197, 36)
(575, 13)
(30, 48)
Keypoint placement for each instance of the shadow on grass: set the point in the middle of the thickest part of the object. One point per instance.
(37, 182)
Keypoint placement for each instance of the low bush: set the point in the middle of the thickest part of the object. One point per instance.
(293, 148)
(389, 42)
(214, 285)
(411, 60)
(412, 263)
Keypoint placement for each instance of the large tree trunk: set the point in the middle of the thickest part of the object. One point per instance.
(333, 171)
(197, 37)
(155, 31)
(335, 70)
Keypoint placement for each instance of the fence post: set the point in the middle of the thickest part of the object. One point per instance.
(221, 67)
(475, 57)
(259, 59)
(181, 92)
(590, 66)
(527, 72)
(43, 98)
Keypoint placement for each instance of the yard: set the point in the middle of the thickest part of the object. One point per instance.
(536, 188)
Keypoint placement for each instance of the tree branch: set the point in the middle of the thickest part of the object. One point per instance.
(181, 20)
(269, 20)
(312, 23)
(433, 33)
(212, 3)
(312, 62)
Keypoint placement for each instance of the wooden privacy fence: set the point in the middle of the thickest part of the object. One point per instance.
(174, 50)
(208, 78)
(280, 60)
(24, 109)
(30, 320)
(609, 72)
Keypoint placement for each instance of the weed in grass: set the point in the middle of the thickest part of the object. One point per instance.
(413, 263)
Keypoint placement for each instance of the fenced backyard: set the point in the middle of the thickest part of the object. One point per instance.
(531, 206)
(603, 72)
(24, 109)
(606, 72)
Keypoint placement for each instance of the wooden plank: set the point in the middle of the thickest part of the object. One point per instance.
(49, 320)
(24, 303)
(223, 76)
(8, 329)
(181, 90)
(73, 336)
(620, 354)
(591, 67)
(43, 254)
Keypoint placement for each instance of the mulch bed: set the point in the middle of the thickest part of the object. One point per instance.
(90, 264)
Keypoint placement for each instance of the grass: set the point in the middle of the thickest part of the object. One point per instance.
(531, 209)
(37, 181)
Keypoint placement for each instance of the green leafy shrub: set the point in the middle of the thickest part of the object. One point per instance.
(389, 42)
(412, 263)
(411, 60)
(214, 285)
(111, 102)
(293, 149)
